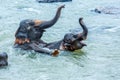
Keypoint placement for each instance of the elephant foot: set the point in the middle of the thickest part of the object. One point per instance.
(55, 52)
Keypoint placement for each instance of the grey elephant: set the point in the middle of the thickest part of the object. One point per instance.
(107, 10)
(50, 1)
(28, 35)
(3, 59)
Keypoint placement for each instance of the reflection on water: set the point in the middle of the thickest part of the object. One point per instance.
(100, 60)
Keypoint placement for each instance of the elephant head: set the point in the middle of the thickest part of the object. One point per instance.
(37, 29)
(74, 41)
(30, 30)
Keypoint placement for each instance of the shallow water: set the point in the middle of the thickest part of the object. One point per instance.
(100, 60)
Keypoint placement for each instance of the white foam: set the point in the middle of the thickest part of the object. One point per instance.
(113, 29)
(32, 10)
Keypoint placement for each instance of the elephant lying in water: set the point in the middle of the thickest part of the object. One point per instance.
(50, 1)
(71, 41)
(3, 59)
(28, 36)
(31, 31)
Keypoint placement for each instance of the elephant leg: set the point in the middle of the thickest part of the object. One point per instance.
(48, 51)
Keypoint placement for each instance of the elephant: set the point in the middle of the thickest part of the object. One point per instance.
(3, 59)
(107, 10)
(31, 31)
(50, 1)
(71, 41)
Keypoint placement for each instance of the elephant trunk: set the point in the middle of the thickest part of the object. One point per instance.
(83, 35)
(47, 24)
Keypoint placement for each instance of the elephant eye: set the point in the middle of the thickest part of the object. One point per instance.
(75, 36)
(69, 41)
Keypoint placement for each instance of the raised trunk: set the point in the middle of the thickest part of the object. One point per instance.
(83, 35)
(47, 24)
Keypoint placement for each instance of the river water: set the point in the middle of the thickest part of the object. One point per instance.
(100, 60)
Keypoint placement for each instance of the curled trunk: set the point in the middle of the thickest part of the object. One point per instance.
(47, 24)
(83, 35)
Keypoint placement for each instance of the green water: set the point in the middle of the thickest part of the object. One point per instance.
(100, 60)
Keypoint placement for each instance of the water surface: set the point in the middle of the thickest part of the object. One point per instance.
(100, 60)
